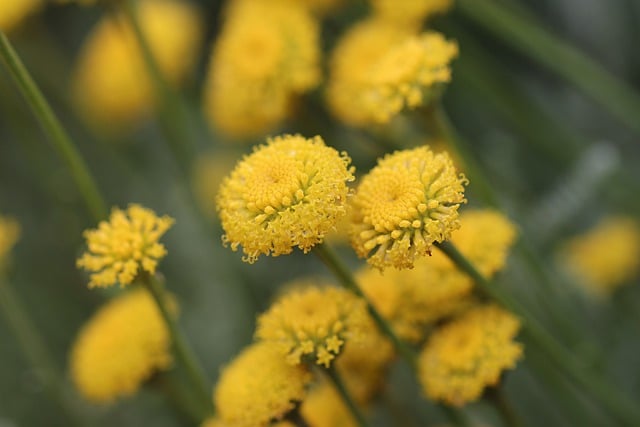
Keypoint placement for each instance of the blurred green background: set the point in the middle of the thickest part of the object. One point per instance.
(557, 160)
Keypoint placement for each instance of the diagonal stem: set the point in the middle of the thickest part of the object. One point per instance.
(348, 400)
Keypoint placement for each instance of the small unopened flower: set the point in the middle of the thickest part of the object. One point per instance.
(124, 246)
(13, 12)
(409, 11)
(9, 234)
(313, 323)
(403, 205)
(266, 56)
(259, 386)
(120, 347)
(287, 193)
(606, 256)
(469, 354)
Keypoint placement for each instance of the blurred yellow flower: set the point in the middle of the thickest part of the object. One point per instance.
(606, 256)
(209, 171)
(259, 386)
(289, 192)
(267, 54)
(121, 346)
(313, 323)
(119, 248)
(324, 408)
(112, 87)
(9, 235)
(470, 353)
(13, 12)
(379, 69)
(403, 205)
(409, 11)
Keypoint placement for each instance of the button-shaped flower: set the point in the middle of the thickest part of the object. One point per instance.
(287, 193)
(407, 202)
(123, 246)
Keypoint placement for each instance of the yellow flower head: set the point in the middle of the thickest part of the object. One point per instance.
(403, 205)
(605, 257)
(13, 12)
(313, 323)
(112, 86)
(325, 408)
(122, 345)
(9, 234)
(363, 364)
(267, 54)
(409, 11)
(259, 386)
(290, 192)
(379, 69)
(469, 354)
(124, 245)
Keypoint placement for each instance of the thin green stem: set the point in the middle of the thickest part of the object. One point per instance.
(183, 351)
(526, 35)
(335, 264)
(340, 386)
(616, 402)
(54, 130)
(507, 412)
(37, 352)
(172, 110)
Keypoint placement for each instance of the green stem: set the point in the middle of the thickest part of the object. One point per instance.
(36, 351)
(172, 110)
(54, 130)
(183, 351)
(499, 400)
(617, 402)
(333, 262)
(340, 386)
(530, 38)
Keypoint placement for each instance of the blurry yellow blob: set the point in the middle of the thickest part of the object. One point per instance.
(12, 12)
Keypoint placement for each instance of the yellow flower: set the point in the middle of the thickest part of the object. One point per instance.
(363, 364)
(403, 205)
(324, 408)
(112, 86)
(267, 54)
(13, 12)
(379, 69)
(290, 192)
(313, 323)
(606, 256)
(259, 386)
(469, 354)
(121, 247)
(409, 11)
(9, 235)
(122, 345)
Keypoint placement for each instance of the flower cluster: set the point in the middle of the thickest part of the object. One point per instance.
(288, 193)
(313, 323)
(267, 54)
(123, 246)
(469, 354)
(407, 202)
(112, 86)
(122, 345)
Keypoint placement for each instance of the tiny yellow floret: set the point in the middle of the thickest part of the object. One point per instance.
(259, 386)
(313, 324)
(124, 246)
(120, 347)
(469, 354)
(403, 205)
(287, 193)
(605, 257)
